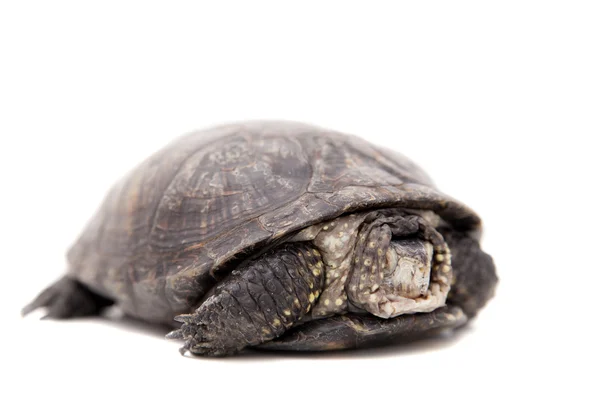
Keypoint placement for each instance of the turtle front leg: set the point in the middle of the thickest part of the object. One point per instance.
(475, 276)
(256, 303)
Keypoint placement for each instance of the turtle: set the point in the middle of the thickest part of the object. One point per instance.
(278, 235)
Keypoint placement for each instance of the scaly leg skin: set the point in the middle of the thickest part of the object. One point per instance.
(474, 272)
(68, 298)
(256, 303)
(353, 331)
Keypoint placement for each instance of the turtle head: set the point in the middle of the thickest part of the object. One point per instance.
(408, 269)
(409, 275)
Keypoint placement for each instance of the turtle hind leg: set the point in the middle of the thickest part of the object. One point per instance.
(68, 298)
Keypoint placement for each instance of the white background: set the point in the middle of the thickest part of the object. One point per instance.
(498, 101)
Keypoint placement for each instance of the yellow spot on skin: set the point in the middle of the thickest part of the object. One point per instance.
(451, 317)
(287, 312)
(368, 261)
(310, 285)
(325, 228)
(299, 254)
(446, 268)
(308, 308)
(340, 234)
(353, 288)
(371, 244)
(276, 322)
(339, 302)
(379, 252)
(316, 272)
(439, 257)
(311, 298)
(361, 286)
(266, 331)
(315, 252)
(308, 253)
(326, 302)
(374, 287)
(296, 302)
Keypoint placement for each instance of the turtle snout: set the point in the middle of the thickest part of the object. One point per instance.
(410, 264)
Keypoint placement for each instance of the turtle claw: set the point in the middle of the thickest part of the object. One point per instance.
(184, 318)
(195, 347)
(176, 334)
(198, 338)
(189, 332)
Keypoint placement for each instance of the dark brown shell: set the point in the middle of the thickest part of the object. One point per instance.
(172, 227)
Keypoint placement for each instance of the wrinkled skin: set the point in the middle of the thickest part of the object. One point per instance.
(209, 220)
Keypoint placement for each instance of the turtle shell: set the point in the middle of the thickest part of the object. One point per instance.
(183, 219)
